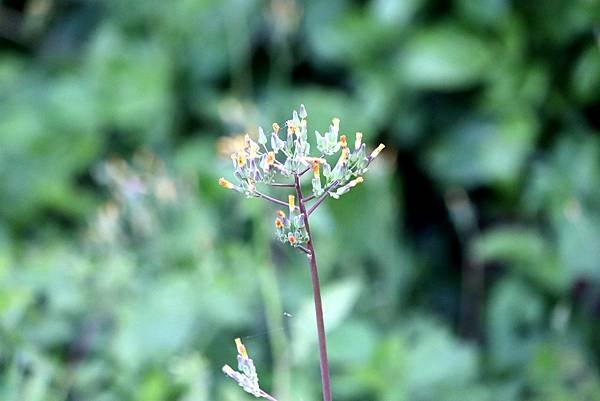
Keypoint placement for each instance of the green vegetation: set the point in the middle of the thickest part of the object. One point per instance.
(464, 268)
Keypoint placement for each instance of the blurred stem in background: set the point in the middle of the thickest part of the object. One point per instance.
(271, 295)
(238, 43)
(464, 218)
(283, 15)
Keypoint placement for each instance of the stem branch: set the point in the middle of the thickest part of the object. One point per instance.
(266, 395)
(279, 184)
(270, 198)
(322, 198)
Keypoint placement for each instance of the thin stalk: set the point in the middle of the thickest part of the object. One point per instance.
(322, 198)
(266, 395)
(309, 198)
(280, 184)
(269, 288)
(314, 275)
(270, 199)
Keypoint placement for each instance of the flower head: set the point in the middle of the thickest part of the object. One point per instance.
(358, 140)
(355, 181)
(315, 168)
(226, 184)
(377, 150)
(228, 370)
(278, 162)
(240, 159)
(246, 377)
(241, 349)
(336, 123)
(343, 141)
(345, 154)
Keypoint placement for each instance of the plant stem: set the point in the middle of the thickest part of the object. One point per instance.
(270, 291)
(312, 261)
(270, 198)
(322, 198)
(266, 395)
(280, 184)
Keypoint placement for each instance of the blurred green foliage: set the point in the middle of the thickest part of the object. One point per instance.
(465, 268)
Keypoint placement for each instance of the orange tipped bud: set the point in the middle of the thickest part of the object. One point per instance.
(225, 184)
(291, 203)
(241, 349)
(377, 150)
(278, 223)
(270, 158)
(315, 168)
(280, 214)
(292, 239)
(358, 140)
(241, 159)
(343, 141)
(345, 154)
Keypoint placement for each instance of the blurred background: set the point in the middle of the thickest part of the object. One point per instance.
(466, 267)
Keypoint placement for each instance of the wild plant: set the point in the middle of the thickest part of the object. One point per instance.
(281, 160)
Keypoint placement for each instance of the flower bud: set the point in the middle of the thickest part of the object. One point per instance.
(241, 159)
(241, 349)
(315, 168)
(291, 203)
(344, 155)
(377, 150)
(228, 371)
(276, 128)
(354, 182)
(225, 184)
(262, 138)
(336, 124)
(358, 140)
(343, 141)
(302, 112)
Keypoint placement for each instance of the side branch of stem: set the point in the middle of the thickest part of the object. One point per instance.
(270, 199)
(322, 198)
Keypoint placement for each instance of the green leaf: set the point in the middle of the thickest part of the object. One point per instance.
(525, 250)
(515, 315)
(338, 301)
(481, 151)
(443, 57)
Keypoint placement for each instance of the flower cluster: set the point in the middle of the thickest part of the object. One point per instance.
(291, 229)
(246, 375)
(285, 154)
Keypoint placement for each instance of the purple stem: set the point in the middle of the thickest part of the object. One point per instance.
(312, 261)
(270, 198)
(322, 198)
(278, 184)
